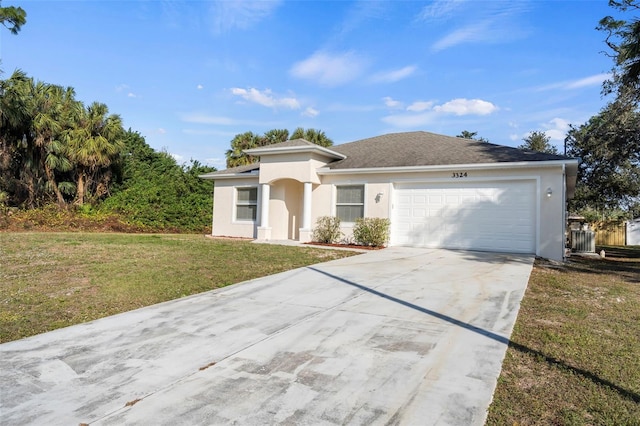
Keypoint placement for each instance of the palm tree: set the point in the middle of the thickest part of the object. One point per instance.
(14, 121)
(93, 146)
(53, 108)
(13, 18)
(274, 136)
(242, 141)
(317, 137)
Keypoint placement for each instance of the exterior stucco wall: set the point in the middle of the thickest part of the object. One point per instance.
(299, 166)
(285, 210)
(550, 210)
(224, 223)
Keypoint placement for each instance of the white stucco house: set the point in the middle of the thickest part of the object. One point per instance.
(438, 191)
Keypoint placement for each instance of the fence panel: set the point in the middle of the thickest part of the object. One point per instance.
(610, 233)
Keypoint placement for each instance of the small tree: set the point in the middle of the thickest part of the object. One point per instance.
(538, 141)
(465, 134)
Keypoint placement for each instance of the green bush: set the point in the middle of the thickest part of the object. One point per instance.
(327, 230)
(372, 231)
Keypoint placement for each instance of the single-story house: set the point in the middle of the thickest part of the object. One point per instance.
(438, 191)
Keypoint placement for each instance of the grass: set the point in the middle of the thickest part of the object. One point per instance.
(575, 352)
(53, 280)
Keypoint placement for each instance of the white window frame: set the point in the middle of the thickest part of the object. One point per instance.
(237, 203)
(364, 197)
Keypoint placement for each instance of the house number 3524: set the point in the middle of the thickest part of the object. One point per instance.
(459, 174)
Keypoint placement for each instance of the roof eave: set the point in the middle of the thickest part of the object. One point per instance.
(253, 174)
(445, 167)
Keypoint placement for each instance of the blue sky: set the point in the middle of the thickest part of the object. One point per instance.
(189, 75)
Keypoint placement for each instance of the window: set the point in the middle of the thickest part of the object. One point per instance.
(246, 203)
(350, 202)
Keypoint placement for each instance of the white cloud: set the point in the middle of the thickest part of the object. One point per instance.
(439, 9)
(594, 80)
(485, 22)
(161, 131)
(265, 98)
(392, 103)
(514, 137)
(310, 112)
(121, 87)
(199, 87)
(419, 106)
(176, 157)
(240, 14)
(131, 95)
(329, 69)
(557, 128)
(394, 75)
(421, 113)
(472, 33)
(462, 106)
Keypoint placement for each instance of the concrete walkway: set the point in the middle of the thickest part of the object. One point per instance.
(397, 336)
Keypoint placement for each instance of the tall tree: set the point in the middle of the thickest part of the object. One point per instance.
(13, 18)
(237, 157)
(623, 38)
(14, 122)
(538, 141)
(94, 145)
(241, 142)
(609, 148)
(52, 114)
(315, 136)
(274, 136)
(465, 134)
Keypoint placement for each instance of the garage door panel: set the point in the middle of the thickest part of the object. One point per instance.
(493, 216)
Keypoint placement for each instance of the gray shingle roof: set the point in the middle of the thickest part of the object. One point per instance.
(413, 149)
(234, 170)
(290, 143)
(428, 149)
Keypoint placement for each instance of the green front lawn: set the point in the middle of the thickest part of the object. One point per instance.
(575, 352)
(53, 280)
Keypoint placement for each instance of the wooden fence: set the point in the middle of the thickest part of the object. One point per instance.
(610, 233)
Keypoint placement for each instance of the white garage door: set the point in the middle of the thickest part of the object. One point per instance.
(488, 216)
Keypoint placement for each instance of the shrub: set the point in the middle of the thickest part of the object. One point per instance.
(371, 231)
(327, 230)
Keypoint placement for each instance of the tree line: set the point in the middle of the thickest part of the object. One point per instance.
(54, 149)
(608, 144)
(236, 155)
(52, 146)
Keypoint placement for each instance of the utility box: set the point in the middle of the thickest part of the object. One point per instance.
(583, 241)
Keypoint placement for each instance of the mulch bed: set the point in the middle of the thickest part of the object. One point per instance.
(347, 246)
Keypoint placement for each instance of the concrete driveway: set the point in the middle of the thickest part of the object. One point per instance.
(397, 336)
